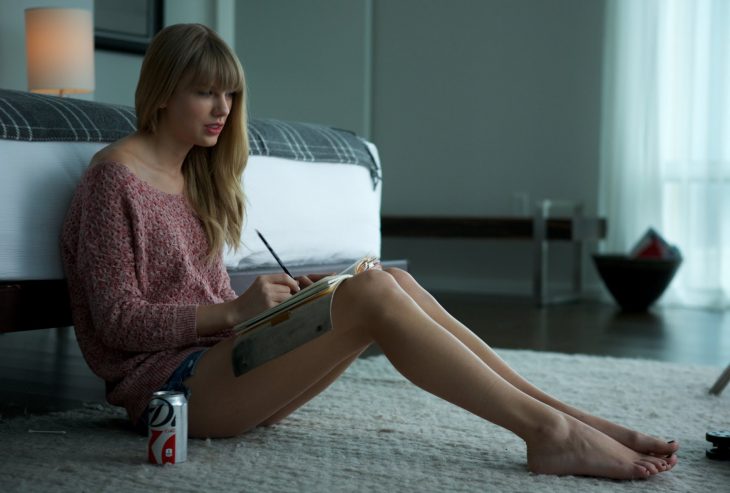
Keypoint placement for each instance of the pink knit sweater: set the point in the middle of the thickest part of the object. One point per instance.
(135, 259)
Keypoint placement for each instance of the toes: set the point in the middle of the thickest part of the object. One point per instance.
(658, 464)
(661, 463)
(667, 448)
(649, 466)
(656, 447)
(640, 472)
(672, 460)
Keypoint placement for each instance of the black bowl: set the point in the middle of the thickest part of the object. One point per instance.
(635, 283)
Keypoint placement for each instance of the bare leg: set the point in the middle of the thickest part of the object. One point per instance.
(222, 404)
(373, 307)
(311, 392)
(637, 441)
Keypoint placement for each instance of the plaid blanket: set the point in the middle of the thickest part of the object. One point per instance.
(36, 117)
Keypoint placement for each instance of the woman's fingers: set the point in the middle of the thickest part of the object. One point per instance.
(317, 277)
(304, 281)
(281, 280)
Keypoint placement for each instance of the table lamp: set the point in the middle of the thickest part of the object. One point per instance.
(60, 50)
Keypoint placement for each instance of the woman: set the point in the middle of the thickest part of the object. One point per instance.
(153, 306)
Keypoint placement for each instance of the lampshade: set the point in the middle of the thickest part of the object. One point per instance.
(60, 50)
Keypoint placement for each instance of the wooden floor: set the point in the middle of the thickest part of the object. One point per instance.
(43, 370)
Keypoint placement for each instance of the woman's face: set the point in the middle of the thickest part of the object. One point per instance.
(196, 115)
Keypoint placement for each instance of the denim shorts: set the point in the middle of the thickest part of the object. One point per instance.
(185, 370)
(182, 373)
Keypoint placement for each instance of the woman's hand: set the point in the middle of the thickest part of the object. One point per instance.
(305, 281)
(265, 292)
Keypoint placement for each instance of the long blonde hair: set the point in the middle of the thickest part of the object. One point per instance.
(195, 53)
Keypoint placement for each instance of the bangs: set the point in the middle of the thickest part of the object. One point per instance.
(214, 67)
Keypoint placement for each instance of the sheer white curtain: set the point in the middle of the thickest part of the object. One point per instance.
(665, 144)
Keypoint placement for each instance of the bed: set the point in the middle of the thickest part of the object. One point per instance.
(314, 191)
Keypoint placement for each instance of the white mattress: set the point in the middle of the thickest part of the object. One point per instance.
(311, 213)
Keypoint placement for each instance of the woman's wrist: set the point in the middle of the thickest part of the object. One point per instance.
(211, 319)
(230, 315)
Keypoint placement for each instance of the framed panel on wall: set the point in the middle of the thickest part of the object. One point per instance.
(127, 26)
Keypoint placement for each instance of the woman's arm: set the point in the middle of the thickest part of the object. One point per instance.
(265, 292)
(101, 234)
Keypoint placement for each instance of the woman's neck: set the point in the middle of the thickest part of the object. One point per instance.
(158, 162)
(163, 154)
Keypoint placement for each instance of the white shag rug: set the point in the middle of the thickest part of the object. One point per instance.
(374, 431)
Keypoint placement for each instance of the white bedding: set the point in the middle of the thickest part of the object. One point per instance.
(311, 213)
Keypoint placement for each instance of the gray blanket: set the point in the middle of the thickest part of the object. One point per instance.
(36, 117)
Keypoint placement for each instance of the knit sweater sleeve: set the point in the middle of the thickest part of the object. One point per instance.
(107, 260)
(226, 292)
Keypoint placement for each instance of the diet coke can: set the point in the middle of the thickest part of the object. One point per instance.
(167, 439)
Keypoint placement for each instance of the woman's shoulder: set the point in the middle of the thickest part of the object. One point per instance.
(106, 175)
(114, 163)
(107, 180)
(117, 153)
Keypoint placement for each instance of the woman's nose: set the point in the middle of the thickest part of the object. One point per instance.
(222, 105)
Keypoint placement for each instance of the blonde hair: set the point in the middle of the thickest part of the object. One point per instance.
(196, 54)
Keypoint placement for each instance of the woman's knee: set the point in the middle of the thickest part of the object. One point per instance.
(370, 284)
(368, 295)
(402, 277)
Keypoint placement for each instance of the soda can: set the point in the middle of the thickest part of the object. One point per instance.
(167, 438)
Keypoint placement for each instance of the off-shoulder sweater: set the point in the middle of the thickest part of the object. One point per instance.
(136, 263)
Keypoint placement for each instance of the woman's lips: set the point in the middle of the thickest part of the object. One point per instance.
(214, 128)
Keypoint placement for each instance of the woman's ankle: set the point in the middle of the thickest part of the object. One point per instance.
(555, 427)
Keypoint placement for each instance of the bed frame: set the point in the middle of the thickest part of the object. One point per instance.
(26, 305)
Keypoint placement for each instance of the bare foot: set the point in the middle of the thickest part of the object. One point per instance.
(640, 442)
(574, 448)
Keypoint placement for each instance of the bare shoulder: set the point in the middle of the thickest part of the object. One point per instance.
(122, 151)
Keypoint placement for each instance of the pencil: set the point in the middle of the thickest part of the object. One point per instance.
(276, 257)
